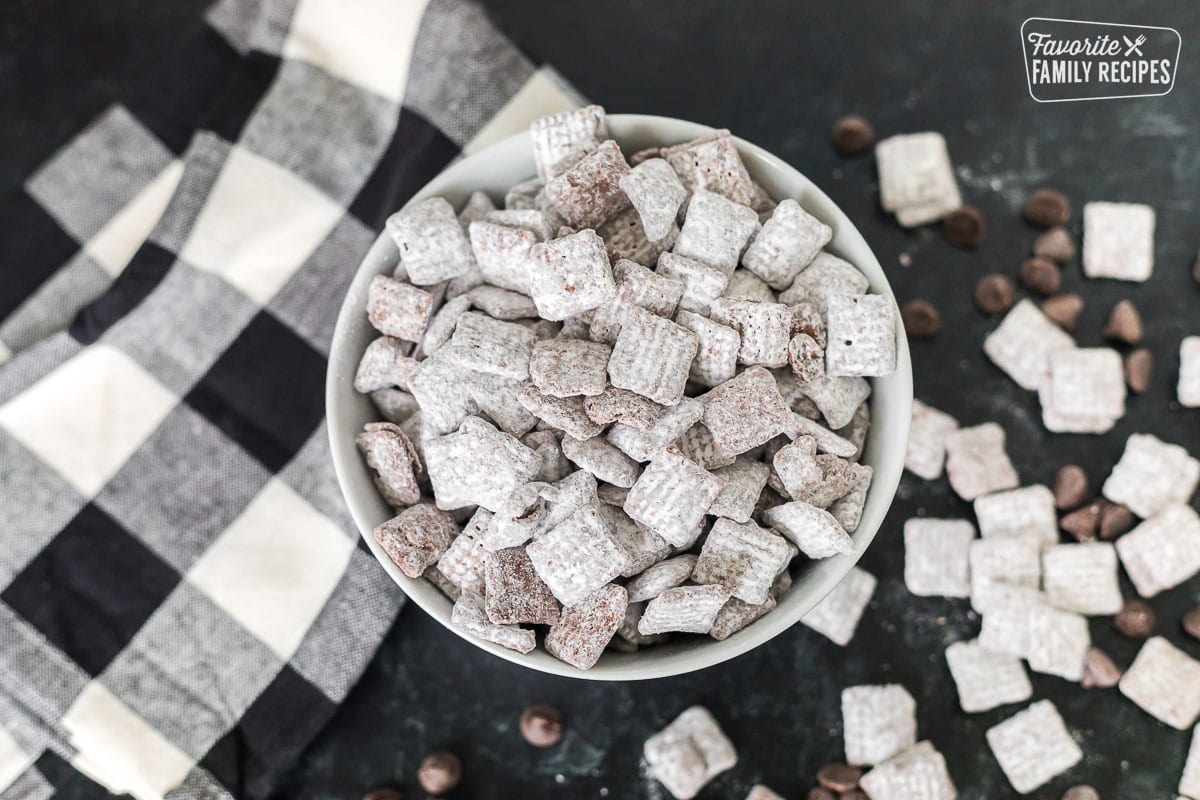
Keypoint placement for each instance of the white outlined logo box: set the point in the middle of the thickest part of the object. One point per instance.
(1070, 60)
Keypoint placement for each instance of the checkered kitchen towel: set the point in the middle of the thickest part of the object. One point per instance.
(182, 601)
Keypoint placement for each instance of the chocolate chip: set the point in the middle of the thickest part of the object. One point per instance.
(384, 793)
(1070, 487)
(853, 794)
(921, 319)
(542, 725)
(1055, 244)
(839, 777)
(1191, 622)
(964, 227)
(440, 772)
(1041, 275)
(1046, 208)
(1135, 620)
(852, 135)
(1124, 323)
(1115, 519)
(1139, 364)
(821, 793)
(1099, 671)
(994, 294)
(1081, 792)
(1084, 523)
(1063, 310)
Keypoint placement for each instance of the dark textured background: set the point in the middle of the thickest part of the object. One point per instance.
(777, 73)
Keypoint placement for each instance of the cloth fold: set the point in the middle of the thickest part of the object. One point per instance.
(183, 598)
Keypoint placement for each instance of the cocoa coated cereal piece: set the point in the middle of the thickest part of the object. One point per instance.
(398, 309)
(433, 247)
(921, 319)
(468, 615)
(570, 275)
(624, 238)
(416, 537)
(862, 335)
(813, 530)
(715, 230)
(641, 546)
(712, 162)
(688, 753)
(736, 615)
(565, 413)
(1164, 682)
(1041, 275)
(877, 722)
(765, 328)
(622, 405)
(1188, 388)
(1033, 746)
(936, 557)
(697, 444)
(848, 509)
(463, 561)
(501, 253)
(1152, 475)
(637, 287)
(916, 178)
(652, 356)
(513, 591)
(994, 294)
(1118, 241)
(502, 303)
(477, 465)
(385, 363)
(986, 679)
(744, 283)
(483, 344)
(1047, 208)
(1139, 364)
(1085, 392)
(701, 283)
(744, 481)
(787, 243)
(601, 459)
(837, 398)
(442, 324)
(1070, 487)
(745, 411)
(1124, 323)
(672, 496)
(718, 347)
(976, 462)
(657, 578)
(390, 453)
(827, 274)
(852, 135)
(518, 519)
(686, 609)
(568, 367)
(827, 440)
(1004, 572)
(541, 725)
(927, 434)
(589, 192)
(837, 616)
(477, 207)
(394, 405)
(919, 771)
(1082, 578)
(584, 629)
(559, 140)
(1163, 551)
(743, 558)
(1055, 244)
(657, 194)
(806, 357)
(672, 422)
(577, 557)
(964, 227)
(1028, 512)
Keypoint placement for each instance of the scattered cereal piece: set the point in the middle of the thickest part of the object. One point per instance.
(483, 344)
(986, 679)
(765, 328)
(927, 441)
(622, 405)
(746, 411)
(657, 578)
(1152, 475)
(468, 615)
(657, 194)
(718, 347)
(1082, 578)
(394, 459)
(514, 593)
(1023, 343)
(1033, 746)
(1162, 552)
(1085, 392)
(398, 309)
(743, 558)
(1118, 241)
(760, 792)
(1001, 569)
(1164, 682)
(916, 180)
(433, 247)
(1188, 389)
(836, 617)
(862, 335)
(715, 230)
(501, 253)
(787, 243)
(416, 538)
(578, 556)
(560, 140)
(712, 162)
(744, 481)
(584, 629)
(570, 275)
(1028, 511)
(385, 363)
(477, 465)
(1051, 640)
(689, 753)
(1189, 782)
(918, 772)
(568, 367)
(878, 722)
(935, 557)
(701, 283)
(976, 462)
(813, 530)
(589, 192)
(652, 356)
(687, 609)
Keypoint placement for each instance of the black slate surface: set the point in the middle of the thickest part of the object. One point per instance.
(778, 73)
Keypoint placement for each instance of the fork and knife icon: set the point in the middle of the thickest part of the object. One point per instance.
(1134, 46)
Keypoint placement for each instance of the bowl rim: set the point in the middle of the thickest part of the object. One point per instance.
(826, 573)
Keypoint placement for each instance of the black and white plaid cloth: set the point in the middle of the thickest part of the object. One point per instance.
(182, 601)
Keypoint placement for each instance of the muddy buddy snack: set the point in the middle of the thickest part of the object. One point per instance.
(642, 388)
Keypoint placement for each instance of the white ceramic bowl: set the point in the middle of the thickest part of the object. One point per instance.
(494, 170)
